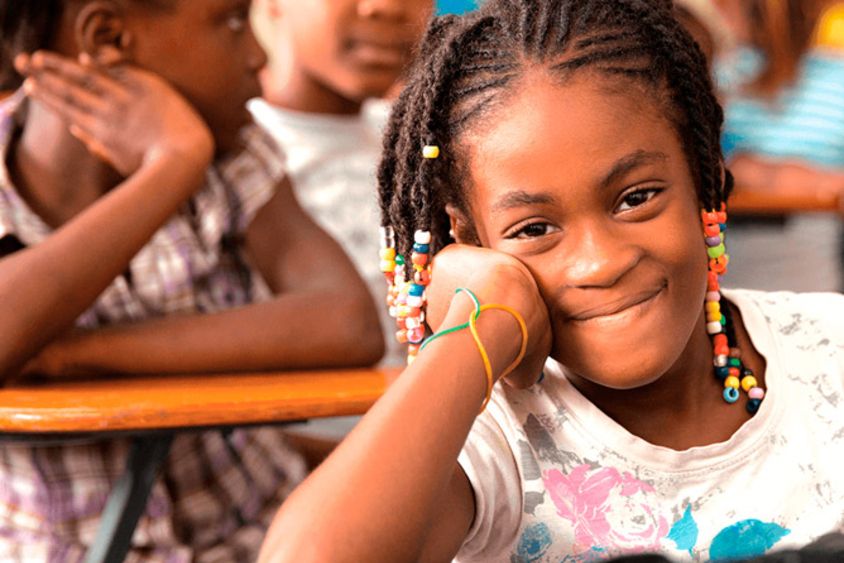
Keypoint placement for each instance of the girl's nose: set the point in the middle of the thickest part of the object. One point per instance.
(256, 57)
(597, 256)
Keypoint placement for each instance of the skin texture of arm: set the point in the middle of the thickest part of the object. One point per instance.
(322, 315)
(758, 174)
(392, 490)
(368, 511)
(43, 289)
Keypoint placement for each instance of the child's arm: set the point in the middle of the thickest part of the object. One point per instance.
(392, 490)
(43, 289)
(322, 316)
(755, 173)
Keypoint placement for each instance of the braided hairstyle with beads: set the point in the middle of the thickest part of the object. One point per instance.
(469, 64)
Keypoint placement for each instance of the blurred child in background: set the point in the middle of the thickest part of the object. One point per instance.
(145, 227)
(328, 58)
(783, 91)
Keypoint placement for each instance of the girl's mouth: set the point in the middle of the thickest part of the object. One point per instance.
(619, 311)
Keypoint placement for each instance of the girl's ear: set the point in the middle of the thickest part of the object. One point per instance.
(100, 33)
(462, 230)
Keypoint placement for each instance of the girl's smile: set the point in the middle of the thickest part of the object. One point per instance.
(619, 312)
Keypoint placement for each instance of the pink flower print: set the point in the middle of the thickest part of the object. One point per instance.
(607, 508)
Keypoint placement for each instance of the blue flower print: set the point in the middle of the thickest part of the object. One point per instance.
(535, 541)
(747, 538)
(684, 532)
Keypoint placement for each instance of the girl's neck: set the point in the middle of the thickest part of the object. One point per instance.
(299, 91)
(683, 408)
(54, 172)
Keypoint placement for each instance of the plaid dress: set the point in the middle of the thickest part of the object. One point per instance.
(217, 492)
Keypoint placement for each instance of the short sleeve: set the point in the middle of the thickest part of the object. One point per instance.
(488, 462)
(252, 176)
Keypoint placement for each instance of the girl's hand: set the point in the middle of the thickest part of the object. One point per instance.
(124, 115)
(494, 277)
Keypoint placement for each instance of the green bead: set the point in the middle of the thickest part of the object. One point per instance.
(734, 362)
(723, 320)
(716, 251)
(399, 260)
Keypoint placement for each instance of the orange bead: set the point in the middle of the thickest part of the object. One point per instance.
(719, 265)
(422, 277)
(712, 281)
(419, 259)
(712, 230)
(735, 372)
(721, 350)
(720, 340)
(401, 336)
(709, 217)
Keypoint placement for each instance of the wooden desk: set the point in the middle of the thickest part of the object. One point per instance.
(151, 410)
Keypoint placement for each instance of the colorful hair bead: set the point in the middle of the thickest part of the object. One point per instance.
(430, 151)
(727, 364)
(756, 393)
(406, 296)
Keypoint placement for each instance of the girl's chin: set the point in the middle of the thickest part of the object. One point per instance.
(622, 371)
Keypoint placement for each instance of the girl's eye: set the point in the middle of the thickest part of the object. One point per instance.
(637, 198)
(236, 22)
(531, 230)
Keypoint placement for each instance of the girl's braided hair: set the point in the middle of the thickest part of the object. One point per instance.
(468, 64)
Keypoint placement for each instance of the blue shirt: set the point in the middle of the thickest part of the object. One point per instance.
(805, 121)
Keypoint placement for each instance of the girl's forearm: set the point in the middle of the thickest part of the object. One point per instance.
(292, 331)
(376, 496)
(43, 289)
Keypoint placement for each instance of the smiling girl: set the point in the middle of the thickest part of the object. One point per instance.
(570, 150)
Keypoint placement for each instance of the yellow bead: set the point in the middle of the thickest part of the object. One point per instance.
(748, 382)
(387, 266)
(430, 151)
(713, 307)
(732, 381)
(388, 254)
(713, 317)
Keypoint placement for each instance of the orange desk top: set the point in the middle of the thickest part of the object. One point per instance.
(185, 401)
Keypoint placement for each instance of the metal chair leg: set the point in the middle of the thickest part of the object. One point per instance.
(128, 499)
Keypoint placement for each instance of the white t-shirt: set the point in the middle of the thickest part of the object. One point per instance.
(555, 479)
(332, 162)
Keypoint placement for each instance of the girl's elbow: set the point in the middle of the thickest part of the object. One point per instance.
(364, 333)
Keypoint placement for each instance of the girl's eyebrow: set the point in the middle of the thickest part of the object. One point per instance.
(630, 162)
(517, 198)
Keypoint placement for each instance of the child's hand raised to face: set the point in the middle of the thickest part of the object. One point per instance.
(495, 277)
(124, 115)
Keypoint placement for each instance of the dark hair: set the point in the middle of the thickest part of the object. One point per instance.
(782, 30)
(468, 64)
(29, 25)
(25, 26)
